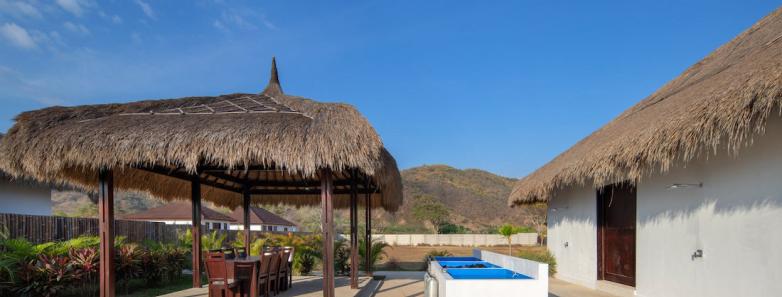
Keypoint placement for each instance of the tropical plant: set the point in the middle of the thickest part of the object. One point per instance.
(376, 252)
(306, 263)
(85, 262)
(239, 242)
(341, 257)
(507, 231)
(185, 239)
(46, 276)
(213, 240)
(127, 259)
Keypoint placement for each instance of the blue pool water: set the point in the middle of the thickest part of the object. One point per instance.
(489, 273)
(467, 264)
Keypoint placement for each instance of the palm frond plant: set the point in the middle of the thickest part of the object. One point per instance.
(341, 257)
(212, 241)
(376, 252)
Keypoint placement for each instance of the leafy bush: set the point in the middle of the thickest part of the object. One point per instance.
(306, 263)
(450, 228)
(543, 256)
(435, 253)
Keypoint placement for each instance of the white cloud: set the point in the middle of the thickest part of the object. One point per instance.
(76, 7)
(76, 28)
(112, 18)
(20, 10)
(148, 11)
(17, 36)
(239, 20)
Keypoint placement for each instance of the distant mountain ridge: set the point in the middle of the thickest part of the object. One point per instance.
(476, 199)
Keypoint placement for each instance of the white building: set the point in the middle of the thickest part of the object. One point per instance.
(22, 197)
(180, 213)
(262, 220)
(681, 195)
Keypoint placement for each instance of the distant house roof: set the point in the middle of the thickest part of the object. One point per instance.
(260, 216)
(178, 211)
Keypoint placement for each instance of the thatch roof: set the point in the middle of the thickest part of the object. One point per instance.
(177, 211)
(276, 141)
(719, 103)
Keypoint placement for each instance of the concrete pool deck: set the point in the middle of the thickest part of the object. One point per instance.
(411, 284)
(396, 284)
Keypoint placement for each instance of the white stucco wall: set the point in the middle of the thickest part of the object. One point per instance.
(572, 235)
(21, 198)
(735, 218)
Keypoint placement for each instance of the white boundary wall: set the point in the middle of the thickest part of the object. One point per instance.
(453, 239)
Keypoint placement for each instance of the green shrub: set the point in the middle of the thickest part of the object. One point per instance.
(541, 256)
(341, 257)
(375, 254)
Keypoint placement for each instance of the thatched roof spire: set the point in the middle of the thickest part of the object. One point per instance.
(273, 88)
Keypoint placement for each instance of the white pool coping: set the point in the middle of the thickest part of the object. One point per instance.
(536, 286)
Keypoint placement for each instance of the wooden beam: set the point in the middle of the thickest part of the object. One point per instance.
(306, 192)
(327, 224)
(368, 229)
(188, 177)
(246, 219)
(353, 229)
(195, 201)
(106, 230)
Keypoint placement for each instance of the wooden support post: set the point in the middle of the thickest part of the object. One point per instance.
(246, 219)
(195, 200)
(106, 230)
(353, 230)
(368, 228)
(327, 224)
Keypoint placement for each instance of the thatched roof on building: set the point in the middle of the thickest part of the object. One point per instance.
(719, 103)
(276, 141)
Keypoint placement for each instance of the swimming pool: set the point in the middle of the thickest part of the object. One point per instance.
(485, 274)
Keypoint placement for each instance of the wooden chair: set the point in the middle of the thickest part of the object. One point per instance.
(290, 265)
(217, 275)
(274, 272)
(263, 274)
(284, 272)
(247, 274)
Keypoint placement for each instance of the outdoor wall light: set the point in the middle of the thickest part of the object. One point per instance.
(684, 186)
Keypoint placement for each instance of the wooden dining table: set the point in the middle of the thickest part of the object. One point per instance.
(247, 288)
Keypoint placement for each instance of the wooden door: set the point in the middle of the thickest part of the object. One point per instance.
(616, 233)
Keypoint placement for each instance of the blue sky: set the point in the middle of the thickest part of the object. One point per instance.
(502, 87)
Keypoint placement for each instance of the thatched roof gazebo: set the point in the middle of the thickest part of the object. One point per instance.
(233, 150)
